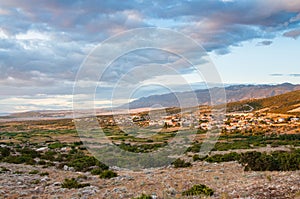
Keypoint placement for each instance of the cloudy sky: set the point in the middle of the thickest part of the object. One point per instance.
(43, 43)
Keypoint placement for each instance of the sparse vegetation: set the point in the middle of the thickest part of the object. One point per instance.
(4, 169)
(275, 161)
(107, 174)
(178, 163)
(143, 196)
(44, 174)
(223, 158)
(198, 190)
(33, 172)
(73, 184)
(56, 145)
(4, 152)
(141, 148)
(37, 181)
(96, 171)
(20, 159)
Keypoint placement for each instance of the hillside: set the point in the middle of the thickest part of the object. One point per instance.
(233, 94)
(284, 103)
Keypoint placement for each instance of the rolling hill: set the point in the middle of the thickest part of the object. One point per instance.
(287, 103)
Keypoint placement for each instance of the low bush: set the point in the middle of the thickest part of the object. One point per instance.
(142, 148)
(225, 146)
(143, 196)
(198, 190)
(96, 171)
(275, 161)
(4, 152)
(29, 152)
(195, 148)
(198, 158)
(56, 145)
(223, 158)
(21, 159)
(44, 174)
(178, 163)
(4, 169)
(107, 174)
(34, 172)
(73, 184)
(83, 163)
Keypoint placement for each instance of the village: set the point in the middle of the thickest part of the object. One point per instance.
(232, 122)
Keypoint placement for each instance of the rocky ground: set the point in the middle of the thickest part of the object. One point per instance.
(228, 180)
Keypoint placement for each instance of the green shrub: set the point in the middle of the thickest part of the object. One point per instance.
(198, 158)
(29, 152)
(96, 171)
(42, 162)
(77, 143)
(81, 162)
(34, 172)
(195, 148)
(143, 196)
(224, 158)
(198, 190)
(178, 163)
(102, 165)
(56, 145)
(36, 181)
(4, 152)
(107, 174)
(4, 169)
(275, 161)
(142, 148)
(73, 184)
(225, 146)
(49, 155)
(82, 177)
(44, 174)
(21, 159)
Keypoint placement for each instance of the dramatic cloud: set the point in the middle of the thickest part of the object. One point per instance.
(43, 43)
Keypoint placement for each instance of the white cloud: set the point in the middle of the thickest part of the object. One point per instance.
(3, 34)
(33, 35)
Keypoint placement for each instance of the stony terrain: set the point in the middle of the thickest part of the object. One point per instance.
(228, 180)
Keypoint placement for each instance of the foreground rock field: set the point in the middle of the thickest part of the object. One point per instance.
(228, 180)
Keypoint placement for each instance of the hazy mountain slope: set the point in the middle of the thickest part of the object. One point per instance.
(233, 93)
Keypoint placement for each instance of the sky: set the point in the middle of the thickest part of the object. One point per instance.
(44, 43)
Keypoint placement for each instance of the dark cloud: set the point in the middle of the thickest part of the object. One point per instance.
(293, 34)
(264, 43)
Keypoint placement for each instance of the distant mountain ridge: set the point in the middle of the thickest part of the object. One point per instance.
(233, 94)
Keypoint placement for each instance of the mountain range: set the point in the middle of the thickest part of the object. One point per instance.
(233, 94)
(279, 98)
